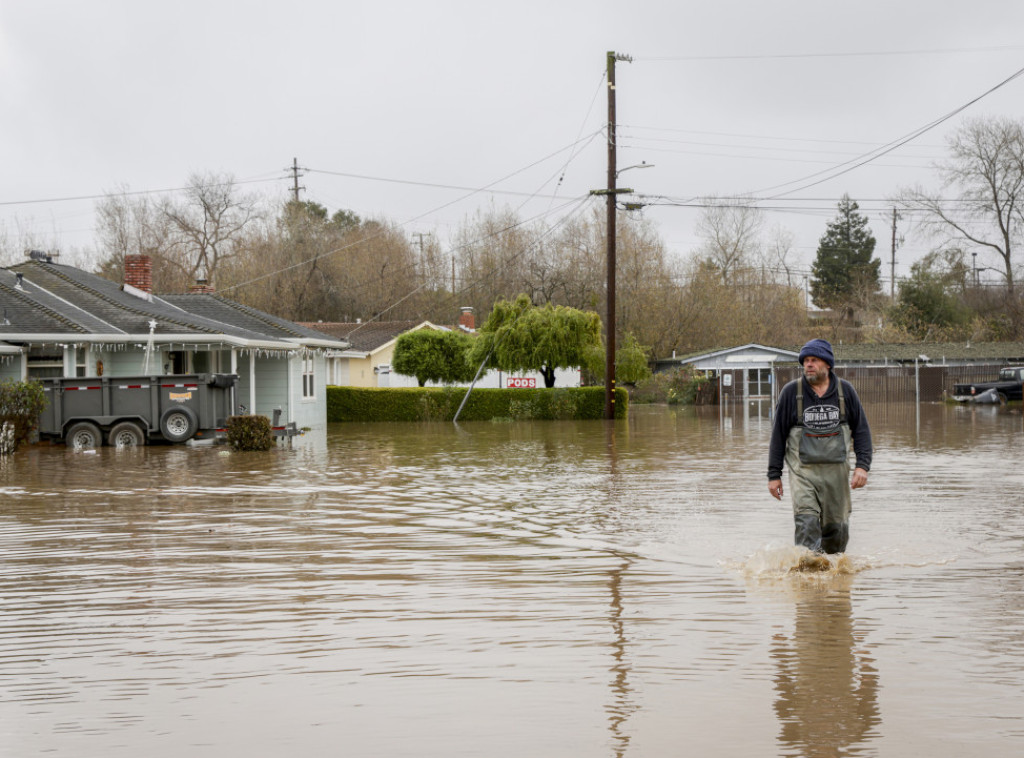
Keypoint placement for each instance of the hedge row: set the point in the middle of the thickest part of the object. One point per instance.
(441, 403)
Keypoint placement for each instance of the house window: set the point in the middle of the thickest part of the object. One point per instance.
(45, 362)
(308, 386)
(759, 382)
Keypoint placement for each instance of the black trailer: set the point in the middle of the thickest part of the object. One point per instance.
(131, 410)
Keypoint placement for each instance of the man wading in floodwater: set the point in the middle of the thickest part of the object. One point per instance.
(815, 420)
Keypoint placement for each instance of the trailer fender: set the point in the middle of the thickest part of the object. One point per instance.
(179, 423)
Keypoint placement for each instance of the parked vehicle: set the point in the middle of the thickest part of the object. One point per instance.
(1009, 386)
(127, 411)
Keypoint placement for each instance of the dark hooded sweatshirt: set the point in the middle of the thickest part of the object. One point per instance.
(818, 407)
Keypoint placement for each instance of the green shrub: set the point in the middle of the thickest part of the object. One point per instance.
(20, 406)
(250, 433)
(684, 386)
(441, 403)
(653, 389)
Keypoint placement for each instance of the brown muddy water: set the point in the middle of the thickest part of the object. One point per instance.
(514, 589)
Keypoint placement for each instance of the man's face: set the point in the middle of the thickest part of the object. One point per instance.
(815, 369)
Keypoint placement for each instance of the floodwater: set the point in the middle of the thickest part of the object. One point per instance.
(514, 589)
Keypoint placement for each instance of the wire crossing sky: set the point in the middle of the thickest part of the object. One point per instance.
(426, 113)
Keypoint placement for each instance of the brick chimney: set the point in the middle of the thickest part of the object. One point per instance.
(466, 319)
(138, 272)
(201, 287)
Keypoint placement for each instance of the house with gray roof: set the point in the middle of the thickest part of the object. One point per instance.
(60, 321)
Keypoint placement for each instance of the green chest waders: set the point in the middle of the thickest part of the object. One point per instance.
(818, 463)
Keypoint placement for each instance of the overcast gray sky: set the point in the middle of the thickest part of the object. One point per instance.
(391, 103)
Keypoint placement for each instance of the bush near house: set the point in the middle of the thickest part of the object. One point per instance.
(441, 403)
(250, 433)
(20, 406)
(684, 386)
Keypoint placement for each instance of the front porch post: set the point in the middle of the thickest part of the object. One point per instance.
(252, 383)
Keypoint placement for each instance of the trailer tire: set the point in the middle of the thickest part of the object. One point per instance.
(179, 424)
(126, 434)
(84, 435)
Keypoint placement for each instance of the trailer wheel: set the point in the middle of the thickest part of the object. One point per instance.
(83, 435)
(179, 424)
(126, 434)
(1002, 398)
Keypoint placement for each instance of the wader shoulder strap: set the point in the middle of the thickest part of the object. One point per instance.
(800, 401)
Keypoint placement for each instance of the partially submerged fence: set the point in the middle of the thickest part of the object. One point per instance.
(907, 382)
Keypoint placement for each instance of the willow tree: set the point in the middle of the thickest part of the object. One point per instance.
(519, 336)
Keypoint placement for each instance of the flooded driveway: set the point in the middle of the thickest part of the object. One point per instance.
(514, 589)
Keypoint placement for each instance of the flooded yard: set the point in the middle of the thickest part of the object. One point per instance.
(514, 589)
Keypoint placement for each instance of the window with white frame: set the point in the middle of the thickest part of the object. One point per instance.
(308, 385)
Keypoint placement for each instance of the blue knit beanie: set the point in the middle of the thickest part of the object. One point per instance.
(819, 349)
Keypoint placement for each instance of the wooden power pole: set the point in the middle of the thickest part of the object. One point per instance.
(610, 193)
(295, 178)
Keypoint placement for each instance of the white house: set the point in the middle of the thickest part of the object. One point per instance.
(60, 321)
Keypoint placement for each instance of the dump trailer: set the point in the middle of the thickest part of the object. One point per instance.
(132, 410)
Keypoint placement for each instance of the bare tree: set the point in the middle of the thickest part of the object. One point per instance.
(207, 223)
(731, 231)
(776, 253)
(129, 224)
(985, 173)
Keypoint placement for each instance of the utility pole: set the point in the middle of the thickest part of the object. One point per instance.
(610, 192)
(892, 265)
(421, 235)
(295, 178)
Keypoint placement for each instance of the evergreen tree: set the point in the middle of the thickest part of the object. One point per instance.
(844, 271)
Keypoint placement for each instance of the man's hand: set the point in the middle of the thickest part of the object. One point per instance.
(860, 478)
(775, 488)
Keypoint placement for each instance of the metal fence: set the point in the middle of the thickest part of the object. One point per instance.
(879, 384)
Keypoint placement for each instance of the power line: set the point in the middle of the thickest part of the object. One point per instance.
(488, 188)
(753, 136)
(754, 147)
(844, 168)
(848, 54)
(129, 193)
(762, 157)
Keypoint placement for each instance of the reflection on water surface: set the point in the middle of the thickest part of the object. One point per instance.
(553, 589)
